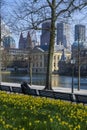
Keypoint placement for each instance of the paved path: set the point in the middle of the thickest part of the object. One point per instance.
(59, 89)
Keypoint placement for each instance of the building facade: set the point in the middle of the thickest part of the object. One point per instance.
(25, 42)
(63, 34)
(38, 56)
(5, 31)
(45, 37)
(80, 33)
(9, 42)
(79, 53)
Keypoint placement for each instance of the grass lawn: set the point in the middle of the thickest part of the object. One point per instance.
(22, 112)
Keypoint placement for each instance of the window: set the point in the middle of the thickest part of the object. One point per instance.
(54, 64)
(40, 64)
(58, 57)
(54, 57)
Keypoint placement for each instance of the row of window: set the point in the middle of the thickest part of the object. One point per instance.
(83, 53)
(37, 64)
(39, 69)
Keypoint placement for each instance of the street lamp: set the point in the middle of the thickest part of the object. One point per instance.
(29, 60)
(30, 69)
(78, 65)
(73, 63)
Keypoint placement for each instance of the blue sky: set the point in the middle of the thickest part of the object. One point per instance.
(77, 17)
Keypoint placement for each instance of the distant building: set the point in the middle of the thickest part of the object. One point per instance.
(45, 37)
(29, 42)
(9, 42)
(19, 59)
(5, 31)
(80, 52)
(40, 58)
(80, 33)
(63, 34)
(25, 42)
(22, 42)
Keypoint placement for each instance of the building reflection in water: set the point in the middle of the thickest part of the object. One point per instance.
(57, 81)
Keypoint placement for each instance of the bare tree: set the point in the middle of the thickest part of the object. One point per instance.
(30, 14)
(1, 5)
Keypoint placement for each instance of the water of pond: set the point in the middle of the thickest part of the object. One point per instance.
(39, 79)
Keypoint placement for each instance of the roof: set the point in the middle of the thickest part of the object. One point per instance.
(56, 48)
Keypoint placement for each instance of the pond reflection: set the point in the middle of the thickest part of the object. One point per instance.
(39, 79)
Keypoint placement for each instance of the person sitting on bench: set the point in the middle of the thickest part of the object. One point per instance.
(25, 88)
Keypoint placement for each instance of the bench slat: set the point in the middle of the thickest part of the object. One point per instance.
(32, 92)
(81, 98)
(5, 88)
(46, 93)
(63, 96)
(16, 89)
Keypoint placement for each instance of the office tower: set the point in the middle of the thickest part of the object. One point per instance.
(80, 33)
(5, 31)
(63, 34)
(45, 37)
(9, 42)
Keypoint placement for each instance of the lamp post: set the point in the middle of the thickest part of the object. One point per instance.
(72, 62)
(29, 61)
(78, 65)
(30, 69)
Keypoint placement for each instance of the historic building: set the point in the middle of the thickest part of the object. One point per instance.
(15, 59)
(25, 42)
(38, 56)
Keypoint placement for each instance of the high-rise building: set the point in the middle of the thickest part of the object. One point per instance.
(5, 31)
(63, 34)
(9, 42)
(80, 33)
(45, 37)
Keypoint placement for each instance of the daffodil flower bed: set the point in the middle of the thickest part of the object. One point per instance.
(24, 112)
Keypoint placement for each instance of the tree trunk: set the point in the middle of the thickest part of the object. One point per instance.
(0, 49)
(51, 49)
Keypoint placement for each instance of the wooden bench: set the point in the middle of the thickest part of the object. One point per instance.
(5, 88)
(32, 92)
(16, 89)
(81, 98)
(46, 93)
(63, 96)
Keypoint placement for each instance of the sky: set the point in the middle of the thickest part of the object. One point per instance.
(77, 18)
